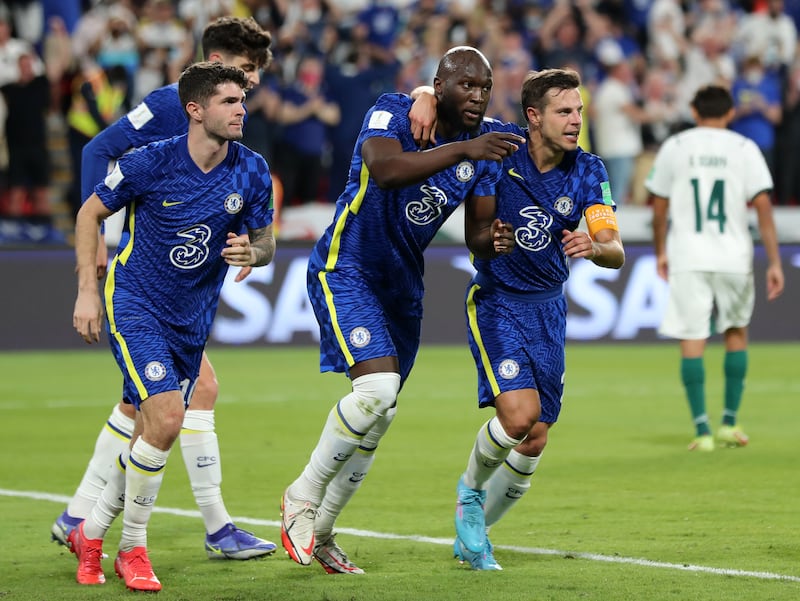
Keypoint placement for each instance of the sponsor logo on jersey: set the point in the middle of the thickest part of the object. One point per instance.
(428, 208)
(563, 205)
(155, 371)
(360, 337)
(194, 250)
(513, 173)
(508, 369)
(465, 171)
(234, 203)
(535, 234)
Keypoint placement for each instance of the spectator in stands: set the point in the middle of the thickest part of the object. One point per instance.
(788, 159)
(166, 46)
(666, 31)
(707, 60)
(11, 48)
(757, 102)
(771, 33)
(306, 113)
(117, 45)
(27, 103)
(618, 120)
(356, 84)
(98, 99)
(562, 40)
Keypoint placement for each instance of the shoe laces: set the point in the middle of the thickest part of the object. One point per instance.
(90, 554)
(140, 564)
(333, 547)
(307, 511)
(472, 510)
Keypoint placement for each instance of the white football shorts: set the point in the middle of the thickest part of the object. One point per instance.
(703, 303)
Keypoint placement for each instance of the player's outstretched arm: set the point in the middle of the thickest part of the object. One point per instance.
(391, 167)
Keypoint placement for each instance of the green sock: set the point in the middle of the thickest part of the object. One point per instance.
(693, 375)
(735, 367)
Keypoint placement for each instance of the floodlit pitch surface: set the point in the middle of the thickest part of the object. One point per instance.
(619, 510)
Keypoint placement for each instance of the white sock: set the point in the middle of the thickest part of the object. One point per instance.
(508, 484)
(349, 479)
(200, 449)
(492, 446)
(111, 501)
(144, 474)
(114, 438)
(347, 424)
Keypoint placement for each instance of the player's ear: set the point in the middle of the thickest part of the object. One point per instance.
(193, 110)
(533, 116)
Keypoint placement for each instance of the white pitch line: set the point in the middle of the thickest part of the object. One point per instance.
(42, 496)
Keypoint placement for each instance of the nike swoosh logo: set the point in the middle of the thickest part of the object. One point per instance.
(168, 203)
(205, 464)
(513, 173)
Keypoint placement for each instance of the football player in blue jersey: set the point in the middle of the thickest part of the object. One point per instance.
(515, 305)
(235, 42)
(187, 199)
(365, 282)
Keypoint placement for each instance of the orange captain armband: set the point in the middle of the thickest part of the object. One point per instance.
(600, 217)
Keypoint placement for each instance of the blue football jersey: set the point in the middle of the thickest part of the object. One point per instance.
(178, 218)
(540, 206)
(383, 233)
(160, 115)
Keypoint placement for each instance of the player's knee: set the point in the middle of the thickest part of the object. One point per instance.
(519, 424)
(536, 441)
(377, 393)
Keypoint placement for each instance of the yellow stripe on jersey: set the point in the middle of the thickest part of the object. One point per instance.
(109, 297)
(476, 334)
(600, 217)
(126, 252)
(322, 275)
(353, 207)
(333, 256)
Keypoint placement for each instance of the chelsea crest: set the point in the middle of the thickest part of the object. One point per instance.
(234, 203)
(465, 171)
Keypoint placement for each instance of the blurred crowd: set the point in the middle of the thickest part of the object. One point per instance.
(70, 67)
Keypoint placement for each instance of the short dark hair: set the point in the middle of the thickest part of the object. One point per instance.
(238, 37)
(198, 82)
(538, 83)
(712, 101)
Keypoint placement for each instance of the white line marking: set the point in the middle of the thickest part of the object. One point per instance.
(42, 496)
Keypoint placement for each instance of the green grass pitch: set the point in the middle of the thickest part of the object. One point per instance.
(618, 511)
